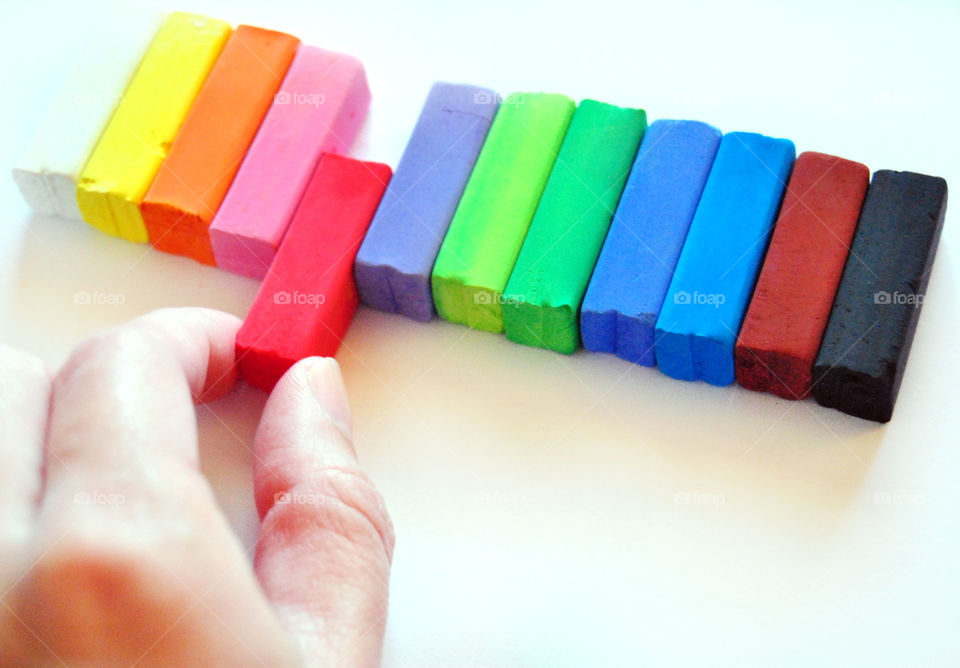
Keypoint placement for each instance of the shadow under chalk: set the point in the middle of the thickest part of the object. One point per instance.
(593, 421)
(586, 420)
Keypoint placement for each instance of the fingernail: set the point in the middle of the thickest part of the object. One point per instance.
(326, 382)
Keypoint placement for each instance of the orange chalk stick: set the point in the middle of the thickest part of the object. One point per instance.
(208, 149)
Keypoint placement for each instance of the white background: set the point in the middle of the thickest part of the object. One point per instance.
(569, 511)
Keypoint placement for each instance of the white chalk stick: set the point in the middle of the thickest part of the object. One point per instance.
(47, 172)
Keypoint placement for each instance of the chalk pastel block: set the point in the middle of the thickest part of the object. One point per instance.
(134, 143)
(306, 302)
(635, 267)
(488, 228)
(784, 324)
(321, 105)
(49, 170)
(864, 351)
(715, 274)
(394, 263)
(211, 143)
(542, 299)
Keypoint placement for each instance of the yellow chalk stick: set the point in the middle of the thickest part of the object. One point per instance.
(132, 147)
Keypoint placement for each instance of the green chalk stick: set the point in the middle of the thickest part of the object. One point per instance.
(543, 296)
(497, 206)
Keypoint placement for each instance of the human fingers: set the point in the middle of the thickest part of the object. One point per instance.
(128, 527)
(326, 541)
(24, 400)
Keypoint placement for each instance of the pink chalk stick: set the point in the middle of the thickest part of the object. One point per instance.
(319, 108)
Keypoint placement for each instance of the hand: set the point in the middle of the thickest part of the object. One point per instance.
(112, 548)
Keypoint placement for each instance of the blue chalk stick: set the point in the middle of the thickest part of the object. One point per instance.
(636, 264)
(394, 262)
(721, 257)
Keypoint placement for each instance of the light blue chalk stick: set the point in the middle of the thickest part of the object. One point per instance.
(718, 266)
(394, 262)
(634, 270)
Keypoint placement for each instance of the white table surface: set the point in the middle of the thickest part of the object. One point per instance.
(571, 511)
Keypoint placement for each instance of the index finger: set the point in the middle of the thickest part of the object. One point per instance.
(122, 405)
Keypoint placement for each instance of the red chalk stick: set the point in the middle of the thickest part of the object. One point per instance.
(308, 297)
(784, 324)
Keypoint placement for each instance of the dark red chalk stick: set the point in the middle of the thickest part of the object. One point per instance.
(781, 332)
(308, 297)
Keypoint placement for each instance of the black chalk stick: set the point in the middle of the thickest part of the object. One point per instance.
(874, 315)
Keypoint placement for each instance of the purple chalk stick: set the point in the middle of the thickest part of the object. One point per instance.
(394, 262)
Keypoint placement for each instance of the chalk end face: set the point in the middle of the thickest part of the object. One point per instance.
(855, 393)
(373, 287)
(598, 330)
(110, 212)
(383, 288)
(630, 338)
(130, 225)
(636, 336)
(35, 192)
(473, 306)
(94, 204)
(673, 355)
(192, 246)
(64, 188)
(258, 365)
(693, 356)
(483, 309)
(266, 347)
(412, 295)
(713, 359)
(174, 230)
(262, 373)
(549, 327)
(446, 297)
(772, 371)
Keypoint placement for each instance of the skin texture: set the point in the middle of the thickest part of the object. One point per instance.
(112, 548)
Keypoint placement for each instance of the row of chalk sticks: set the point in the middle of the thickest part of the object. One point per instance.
(714, 257)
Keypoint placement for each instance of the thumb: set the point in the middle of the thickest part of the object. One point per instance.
(326, 541)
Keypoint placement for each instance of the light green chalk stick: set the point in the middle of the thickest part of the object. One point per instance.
(553, 269)
(497, 206)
